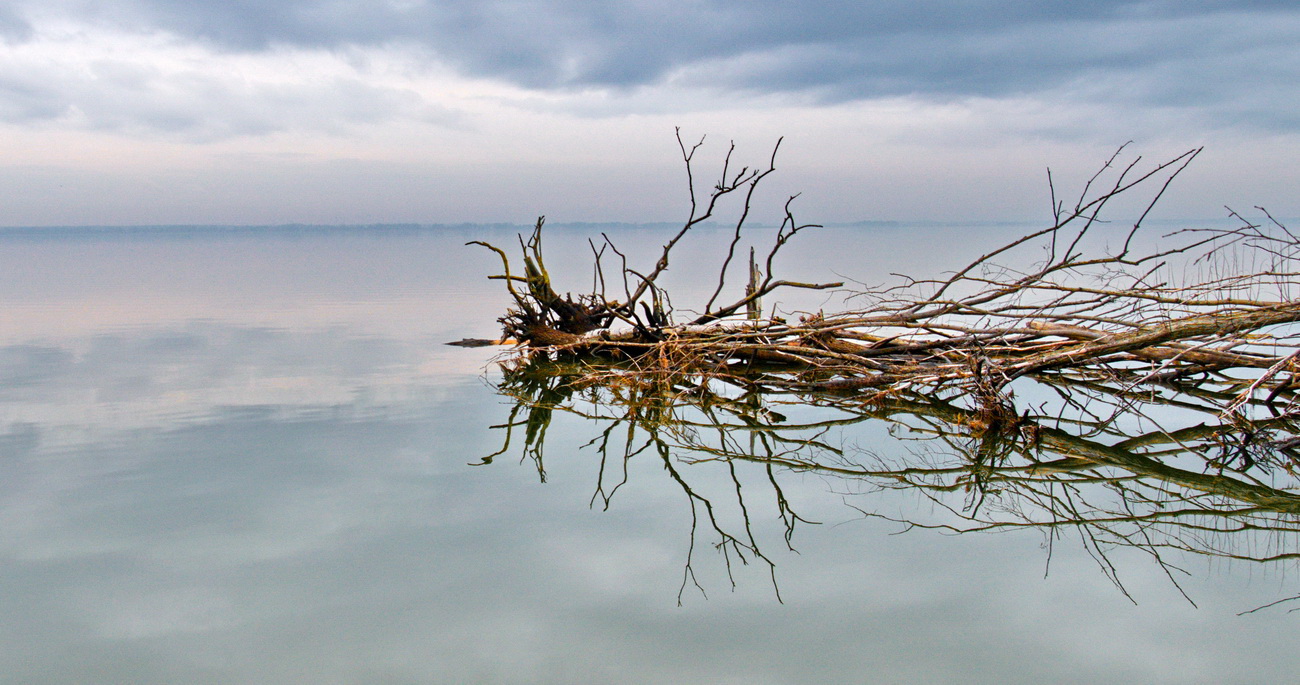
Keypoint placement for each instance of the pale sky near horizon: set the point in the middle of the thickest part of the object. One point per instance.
(339, 111)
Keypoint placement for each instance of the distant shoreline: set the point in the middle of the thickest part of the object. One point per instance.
(180, 230)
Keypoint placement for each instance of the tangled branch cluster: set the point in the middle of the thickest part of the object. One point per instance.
(1206, 311)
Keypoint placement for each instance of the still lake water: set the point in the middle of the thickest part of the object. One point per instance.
(249, 457)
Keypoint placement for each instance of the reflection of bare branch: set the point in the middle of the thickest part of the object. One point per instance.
(1161, 492)
(650, 425)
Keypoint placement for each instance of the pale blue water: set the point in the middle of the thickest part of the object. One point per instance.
(246, 457)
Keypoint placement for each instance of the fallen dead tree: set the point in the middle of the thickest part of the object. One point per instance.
(1137, 389)
(1205, 311)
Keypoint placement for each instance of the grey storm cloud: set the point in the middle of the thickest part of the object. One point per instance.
(1225, 63)
(13, 28)
(846, 50)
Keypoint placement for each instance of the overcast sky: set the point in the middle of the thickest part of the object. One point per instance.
(342, 111)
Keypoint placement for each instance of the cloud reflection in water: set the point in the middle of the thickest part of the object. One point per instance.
(260, 473)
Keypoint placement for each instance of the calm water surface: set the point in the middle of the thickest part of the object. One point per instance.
(250, 458)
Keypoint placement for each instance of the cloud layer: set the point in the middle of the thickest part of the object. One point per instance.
(557, 94)
(854, 49)
(1161, 54)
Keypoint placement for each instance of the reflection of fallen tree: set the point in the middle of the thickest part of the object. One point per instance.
(1160, 491)
(1158, 372)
